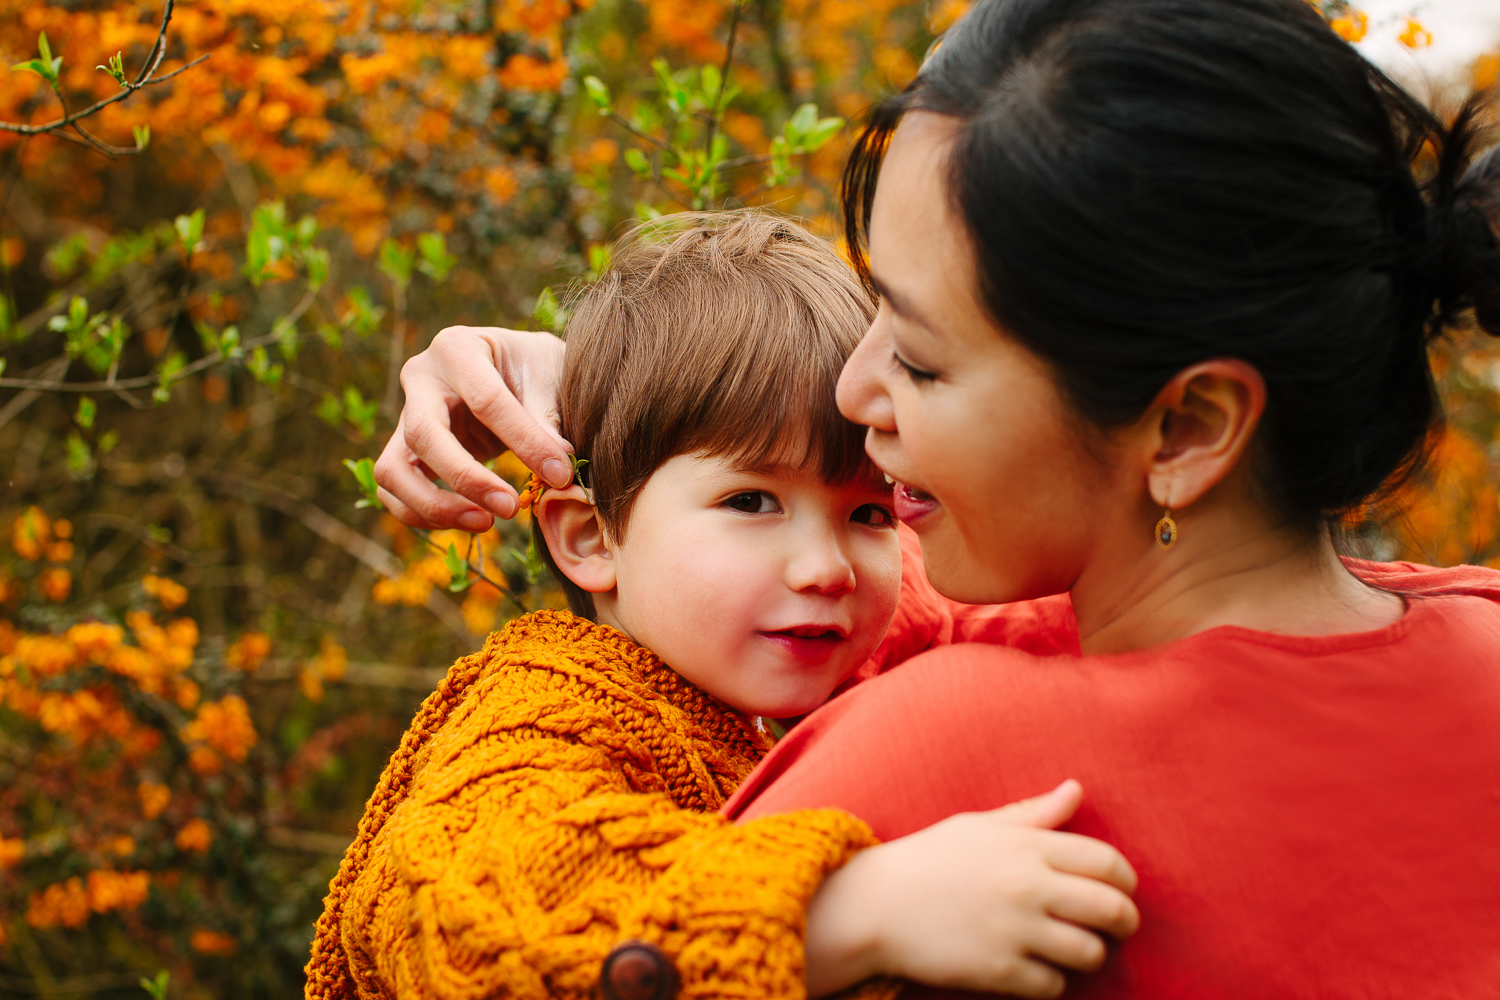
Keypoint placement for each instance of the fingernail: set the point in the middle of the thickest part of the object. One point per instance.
(557, 473)
(475, 521)
(503, 504)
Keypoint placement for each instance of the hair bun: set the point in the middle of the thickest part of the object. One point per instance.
(1474, 232)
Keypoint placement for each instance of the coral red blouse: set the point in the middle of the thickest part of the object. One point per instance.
(1311, 817)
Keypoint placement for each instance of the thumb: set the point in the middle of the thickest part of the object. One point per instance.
(1044, 811)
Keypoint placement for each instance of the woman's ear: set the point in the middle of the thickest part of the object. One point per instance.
(1200, 428)
(576, 538)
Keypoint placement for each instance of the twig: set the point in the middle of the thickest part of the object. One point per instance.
(144, 79)
(713, 118)
(640, 133)
(743, 161)
(55, 384)
(55, 370)
(391, 405)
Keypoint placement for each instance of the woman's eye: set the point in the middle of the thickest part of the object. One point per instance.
(752, 502)
(916, 374)
(874, 515)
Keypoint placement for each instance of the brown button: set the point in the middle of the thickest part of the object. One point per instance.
(636, 970)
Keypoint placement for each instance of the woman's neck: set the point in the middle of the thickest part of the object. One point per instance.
(1230, 567)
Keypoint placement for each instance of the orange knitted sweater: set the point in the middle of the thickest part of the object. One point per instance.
(555, 796)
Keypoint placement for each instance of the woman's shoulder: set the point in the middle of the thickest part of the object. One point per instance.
(1415, 579)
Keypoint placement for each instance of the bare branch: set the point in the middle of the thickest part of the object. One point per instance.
(145, 78)
(639, 133)
(718, 108)
(111, 384)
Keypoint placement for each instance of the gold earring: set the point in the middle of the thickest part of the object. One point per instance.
(1166, 528)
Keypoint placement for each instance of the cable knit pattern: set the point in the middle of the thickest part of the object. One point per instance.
(555, 796)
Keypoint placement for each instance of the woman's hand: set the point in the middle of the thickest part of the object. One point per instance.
(992, 901)
(474, 392)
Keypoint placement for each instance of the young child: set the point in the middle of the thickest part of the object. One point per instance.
(733, 555)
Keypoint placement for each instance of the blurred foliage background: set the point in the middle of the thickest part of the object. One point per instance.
(209, 639)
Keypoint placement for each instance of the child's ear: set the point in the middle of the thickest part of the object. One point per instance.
(576, 538)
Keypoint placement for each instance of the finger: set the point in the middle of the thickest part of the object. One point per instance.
(430, 507)
(1093, 904)
(1030, 978)
(1070, 947)
(526, 429)
(410, 495)
(1079, 855)
(1045, 811)
(427, 438)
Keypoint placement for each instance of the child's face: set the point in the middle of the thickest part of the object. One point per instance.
(765, 588)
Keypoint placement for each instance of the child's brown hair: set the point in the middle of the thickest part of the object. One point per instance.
(717, 333)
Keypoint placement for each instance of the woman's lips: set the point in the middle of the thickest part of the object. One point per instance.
(912, 504)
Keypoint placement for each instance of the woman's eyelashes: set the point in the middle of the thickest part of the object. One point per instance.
(874, 514)
(753, 502)
(913, 372)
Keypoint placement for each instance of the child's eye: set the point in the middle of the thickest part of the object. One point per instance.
(875, 515)
(753, 502)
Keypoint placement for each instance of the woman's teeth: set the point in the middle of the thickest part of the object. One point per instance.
(889, 479)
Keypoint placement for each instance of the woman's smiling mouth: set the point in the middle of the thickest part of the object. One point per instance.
(912, 504)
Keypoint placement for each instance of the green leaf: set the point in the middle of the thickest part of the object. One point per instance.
(189, 230)
(157, 987)
(87, 408)
(711, 83)
(116, 69)
(549, 312)
(257, 254)
(436, 261)
(107, 441)
(316, 261)
(825, 129)
(2, 366)
(63, 259)
(229, 342)
(599, 258)
(307, 229)
(364, 474)
(166, 371)
(287, 338)
(803, 121)
(598, 93)
(458, 569)
(359, 411)
(260, 368)
(396, 262)
(636, 161)
(330, 411)
(363, 315)
(80, 459)
(46, 67)
(142, 135)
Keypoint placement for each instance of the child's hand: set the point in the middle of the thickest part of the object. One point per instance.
(990, 901)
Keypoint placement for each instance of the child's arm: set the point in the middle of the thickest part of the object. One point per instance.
(526, 848)
(981, 901)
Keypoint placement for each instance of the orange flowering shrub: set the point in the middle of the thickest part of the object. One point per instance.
(206, 662)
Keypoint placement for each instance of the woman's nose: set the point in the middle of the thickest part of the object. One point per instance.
(861, 393)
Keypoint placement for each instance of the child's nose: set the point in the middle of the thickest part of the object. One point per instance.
(820, 564)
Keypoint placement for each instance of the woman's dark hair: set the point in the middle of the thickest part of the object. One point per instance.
(1153, 183)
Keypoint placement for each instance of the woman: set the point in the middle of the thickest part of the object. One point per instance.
(1157, 284)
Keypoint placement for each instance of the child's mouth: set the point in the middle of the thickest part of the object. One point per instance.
(806, 641)
(912, 504)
